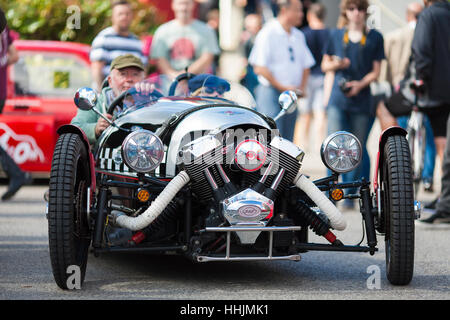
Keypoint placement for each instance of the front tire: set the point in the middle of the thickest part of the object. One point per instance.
(68, 228)
(398, 207)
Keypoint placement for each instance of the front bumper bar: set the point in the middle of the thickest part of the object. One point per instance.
(229, 257)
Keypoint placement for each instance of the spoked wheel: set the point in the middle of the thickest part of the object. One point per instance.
(68, 227)
(398, 208)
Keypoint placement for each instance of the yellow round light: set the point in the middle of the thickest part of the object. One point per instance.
(337, 194)
(143, 195)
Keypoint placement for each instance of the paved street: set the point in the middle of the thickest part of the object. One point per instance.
(25, 271)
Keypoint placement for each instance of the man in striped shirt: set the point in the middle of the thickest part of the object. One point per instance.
(114, 41)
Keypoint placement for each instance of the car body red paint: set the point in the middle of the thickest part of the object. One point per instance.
(40, 89)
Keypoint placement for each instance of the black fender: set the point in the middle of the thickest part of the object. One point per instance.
(70, 128)
(391, 131)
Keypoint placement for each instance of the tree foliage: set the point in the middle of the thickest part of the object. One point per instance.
(72, 20)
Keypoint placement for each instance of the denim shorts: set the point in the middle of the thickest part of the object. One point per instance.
(313, 102)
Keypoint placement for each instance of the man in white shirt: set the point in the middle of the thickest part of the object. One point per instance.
(281, 59)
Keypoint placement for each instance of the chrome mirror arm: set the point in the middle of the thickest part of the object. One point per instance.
(279, 115)
(287, 102)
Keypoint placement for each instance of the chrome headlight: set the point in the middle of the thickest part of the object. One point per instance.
(341, 152)
(142, 151)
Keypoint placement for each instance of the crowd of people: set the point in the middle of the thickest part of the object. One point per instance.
(338, 72)
(346, 76)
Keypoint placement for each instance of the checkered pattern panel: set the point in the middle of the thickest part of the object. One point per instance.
(106, 162)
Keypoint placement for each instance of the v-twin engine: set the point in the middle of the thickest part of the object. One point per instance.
(244, 175)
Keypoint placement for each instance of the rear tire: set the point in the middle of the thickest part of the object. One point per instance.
(398, 207)
(68, 228)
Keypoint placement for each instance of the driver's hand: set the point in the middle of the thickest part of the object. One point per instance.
(144, 87)
(102, 124)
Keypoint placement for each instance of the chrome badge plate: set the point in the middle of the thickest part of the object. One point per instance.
(248, 206)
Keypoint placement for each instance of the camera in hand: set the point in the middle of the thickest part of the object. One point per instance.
(343, 85)
(299, 93)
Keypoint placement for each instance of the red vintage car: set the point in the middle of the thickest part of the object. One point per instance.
(41, 87)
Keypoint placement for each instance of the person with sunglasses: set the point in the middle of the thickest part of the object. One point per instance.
(207, 85)
(353, 54)
(281, 59)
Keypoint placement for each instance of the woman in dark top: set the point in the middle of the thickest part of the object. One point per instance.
(354, 55)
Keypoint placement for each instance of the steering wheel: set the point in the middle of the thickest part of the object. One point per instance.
(119, 100)
(131, 92)
(180, 77)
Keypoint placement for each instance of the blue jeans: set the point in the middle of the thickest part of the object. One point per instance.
(430, 147)
(267, 103)
(358, 124)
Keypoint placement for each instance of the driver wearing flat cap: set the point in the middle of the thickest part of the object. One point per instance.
(126, 71)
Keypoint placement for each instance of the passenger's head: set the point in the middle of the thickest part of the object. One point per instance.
(122, 16)
(291, 11)
(353, 11)
(126, 71)
(183, 10)
(207, 85)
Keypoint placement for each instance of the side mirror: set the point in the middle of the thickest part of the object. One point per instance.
(85, 98)
(287, 102)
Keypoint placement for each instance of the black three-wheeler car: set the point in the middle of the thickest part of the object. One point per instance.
(204, 175)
